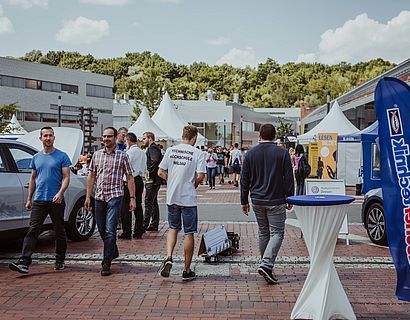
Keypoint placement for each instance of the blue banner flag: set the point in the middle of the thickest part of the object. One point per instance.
(392, 100)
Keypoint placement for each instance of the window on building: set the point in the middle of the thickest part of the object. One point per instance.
(68, 88)
(33, 84)
(31, 116)
(51, 86)
(49, 117)
(98, 91)
(16, 82)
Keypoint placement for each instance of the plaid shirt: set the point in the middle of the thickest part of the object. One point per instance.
(110, 169)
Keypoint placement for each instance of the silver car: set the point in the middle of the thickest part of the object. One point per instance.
(15, 158)
(373, 217)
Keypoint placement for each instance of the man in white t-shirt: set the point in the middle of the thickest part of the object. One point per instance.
(183, 166)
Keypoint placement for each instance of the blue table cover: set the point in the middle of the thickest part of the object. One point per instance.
(320, 200)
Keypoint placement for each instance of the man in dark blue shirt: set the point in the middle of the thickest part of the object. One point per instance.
(50, 177)
(267, 175)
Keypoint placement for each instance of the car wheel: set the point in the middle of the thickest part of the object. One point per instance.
(376, 224)
(81, 224)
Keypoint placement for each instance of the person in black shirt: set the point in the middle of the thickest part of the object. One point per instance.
(221, 164)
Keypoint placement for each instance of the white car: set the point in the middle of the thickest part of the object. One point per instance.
(373, 216)
(15, 158)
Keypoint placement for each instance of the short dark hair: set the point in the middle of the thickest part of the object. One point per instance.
(236, 145)
(45, 128)
(123, 129)
(131, 137)
(189, 132)
(267, 132)
(113, 129)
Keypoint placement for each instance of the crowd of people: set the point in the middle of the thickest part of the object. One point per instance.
(118, 173)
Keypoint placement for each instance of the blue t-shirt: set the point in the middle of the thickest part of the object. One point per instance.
(49, 174)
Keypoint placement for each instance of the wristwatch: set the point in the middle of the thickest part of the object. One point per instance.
(132, 197)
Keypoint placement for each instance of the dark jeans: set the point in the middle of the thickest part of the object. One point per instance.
(39, 213)
(211, 172)
(300, 187)
(151, 214)
(126, 216)
(107, 214)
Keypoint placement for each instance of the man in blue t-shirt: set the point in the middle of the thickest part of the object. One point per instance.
(50, 177)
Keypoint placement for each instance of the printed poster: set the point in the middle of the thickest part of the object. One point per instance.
(327, 155)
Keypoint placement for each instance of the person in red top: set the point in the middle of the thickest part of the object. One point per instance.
(108, 166)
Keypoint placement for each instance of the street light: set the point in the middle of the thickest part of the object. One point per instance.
(224, 133)
(241, 131)
(59, 111)
(328, 101)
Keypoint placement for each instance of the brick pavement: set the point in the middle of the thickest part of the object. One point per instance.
(227, 290)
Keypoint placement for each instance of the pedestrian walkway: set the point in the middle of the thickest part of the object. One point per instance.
(231, 289)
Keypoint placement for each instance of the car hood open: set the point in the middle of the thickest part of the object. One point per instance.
(69, 140)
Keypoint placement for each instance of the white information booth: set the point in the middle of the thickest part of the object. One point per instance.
(329, 187)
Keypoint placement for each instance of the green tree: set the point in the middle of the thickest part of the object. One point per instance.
(284, 129)
(6, 112)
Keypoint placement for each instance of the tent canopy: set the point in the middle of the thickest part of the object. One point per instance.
(168, 119)
(144, 124)
(370, 131)
(13, 130)
(335, 121)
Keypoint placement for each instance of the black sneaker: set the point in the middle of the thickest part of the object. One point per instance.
(188, 276)
(59, 265)
(124, 236)
(106, 269)
(19, 266)
(166, 267)
(266, 273)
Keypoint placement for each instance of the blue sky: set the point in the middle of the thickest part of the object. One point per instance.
(213, 31)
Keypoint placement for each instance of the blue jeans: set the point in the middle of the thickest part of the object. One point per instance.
(271, 223)
(107, 214)
(211, 172)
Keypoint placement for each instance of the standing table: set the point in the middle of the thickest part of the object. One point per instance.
(322, 296)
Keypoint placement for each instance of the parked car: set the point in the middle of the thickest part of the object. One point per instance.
(15, 158)
(373, 217)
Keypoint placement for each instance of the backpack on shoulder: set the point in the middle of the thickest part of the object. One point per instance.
(304, 168)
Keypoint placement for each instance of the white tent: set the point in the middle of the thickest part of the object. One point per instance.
(168, 119)
(144, 123)
(335, 121)
(13, 130)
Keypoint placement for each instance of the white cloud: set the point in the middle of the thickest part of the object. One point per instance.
(106, 2)
(363, 39)
(239, 58)
(26, 4)
(82, 31)
(5, 24)
(135, 24)
(218, 41)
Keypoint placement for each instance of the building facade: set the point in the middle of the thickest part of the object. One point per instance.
(39, 89)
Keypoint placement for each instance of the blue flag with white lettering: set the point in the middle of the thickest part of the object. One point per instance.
(392, 100)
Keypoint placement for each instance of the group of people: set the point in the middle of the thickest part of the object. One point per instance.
(223, 162)
(117, 178)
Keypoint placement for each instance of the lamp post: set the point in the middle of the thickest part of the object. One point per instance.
(241, 131)
(224, 133)
(328, 101)
(59, 111)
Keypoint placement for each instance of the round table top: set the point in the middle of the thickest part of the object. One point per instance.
(320, 200)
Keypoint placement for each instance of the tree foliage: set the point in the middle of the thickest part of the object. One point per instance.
(6, 112)
(145, 76)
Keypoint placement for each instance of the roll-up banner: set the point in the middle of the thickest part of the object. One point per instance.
(327, 147)
(392, 100)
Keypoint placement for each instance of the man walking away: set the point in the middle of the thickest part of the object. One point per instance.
(152, 182)
(267, 175)
(138, 161)
(107, 168)
(184, 168)
(50, 177)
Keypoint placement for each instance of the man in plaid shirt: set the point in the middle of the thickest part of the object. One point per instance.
(108, 166)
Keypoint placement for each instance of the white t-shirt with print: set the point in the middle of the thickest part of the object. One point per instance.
(182, 162)
(236, 154)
